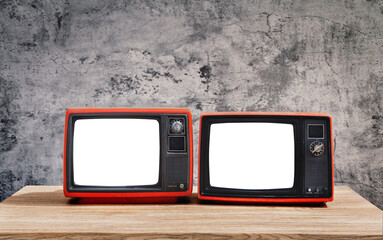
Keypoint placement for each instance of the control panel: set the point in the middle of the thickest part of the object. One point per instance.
(176, 135)
(177, 156)
(317, 158)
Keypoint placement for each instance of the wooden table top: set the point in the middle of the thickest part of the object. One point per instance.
(43, 211)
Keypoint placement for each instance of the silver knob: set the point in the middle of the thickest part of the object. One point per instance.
(176, 126)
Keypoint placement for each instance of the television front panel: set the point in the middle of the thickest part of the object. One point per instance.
(128, 153)
(265, 157)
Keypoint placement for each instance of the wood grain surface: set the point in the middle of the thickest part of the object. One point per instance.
(37, 212)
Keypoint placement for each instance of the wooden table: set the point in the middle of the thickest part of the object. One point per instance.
(43, 211)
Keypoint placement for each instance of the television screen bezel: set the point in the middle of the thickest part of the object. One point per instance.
(294, 194)
(156, 190)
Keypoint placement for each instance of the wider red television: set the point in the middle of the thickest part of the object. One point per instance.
(265, 157)
(128, 153)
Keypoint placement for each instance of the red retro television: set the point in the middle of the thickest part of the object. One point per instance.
(128, 153)
(265, 157)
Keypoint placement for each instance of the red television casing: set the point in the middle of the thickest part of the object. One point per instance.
(139, 196)
(266, 200)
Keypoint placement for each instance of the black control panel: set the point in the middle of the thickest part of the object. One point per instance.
(176, 135)
(177, 155)
(317, 154)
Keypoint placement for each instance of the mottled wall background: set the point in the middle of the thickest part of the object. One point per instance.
(317, 56)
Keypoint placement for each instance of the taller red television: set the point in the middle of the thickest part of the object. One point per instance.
(128, 153)
(265, 157)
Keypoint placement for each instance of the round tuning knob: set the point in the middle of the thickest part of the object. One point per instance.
(176, 126)
(316, 148)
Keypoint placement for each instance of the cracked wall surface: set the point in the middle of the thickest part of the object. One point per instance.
(314, 56)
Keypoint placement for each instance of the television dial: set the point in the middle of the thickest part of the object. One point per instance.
(316, 148)
(176, 126)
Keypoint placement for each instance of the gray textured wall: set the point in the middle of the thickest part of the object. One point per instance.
(319, 56)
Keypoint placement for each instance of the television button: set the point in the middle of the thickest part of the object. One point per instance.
(325, 190)
(182, 186)
(317, 190)
(309, 190)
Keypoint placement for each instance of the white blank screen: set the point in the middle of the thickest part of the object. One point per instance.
(116, 152)
(251, 155)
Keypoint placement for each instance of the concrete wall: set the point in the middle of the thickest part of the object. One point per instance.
(317, 56)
